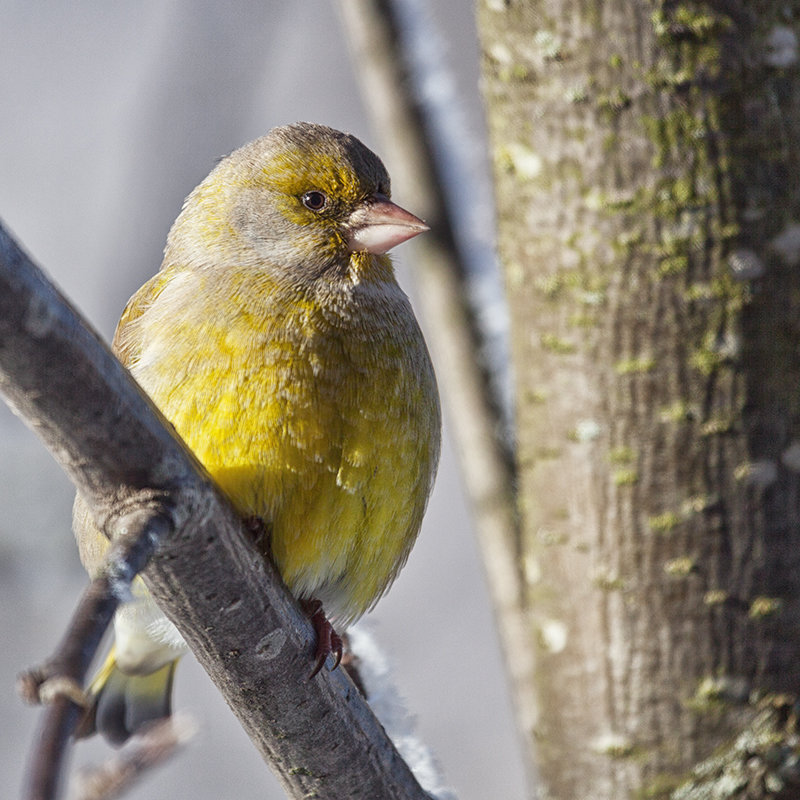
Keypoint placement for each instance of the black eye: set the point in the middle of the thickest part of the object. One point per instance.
(314, 201)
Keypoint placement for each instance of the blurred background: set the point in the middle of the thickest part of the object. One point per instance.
(112, 113)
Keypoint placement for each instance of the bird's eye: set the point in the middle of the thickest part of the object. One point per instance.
(314, 200)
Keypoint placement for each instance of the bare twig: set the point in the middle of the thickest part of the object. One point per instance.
(249, 634)
(141, 754)
(58, 681)
(391, 94)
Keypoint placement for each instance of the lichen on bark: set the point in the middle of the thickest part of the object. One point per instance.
(646, 168)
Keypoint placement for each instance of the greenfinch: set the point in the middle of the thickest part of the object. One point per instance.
(277, 341)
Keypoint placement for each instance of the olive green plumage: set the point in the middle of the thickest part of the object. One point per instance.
(276, 340)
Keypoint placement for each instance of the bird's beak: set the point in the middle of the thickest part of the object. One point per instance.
(378, 225)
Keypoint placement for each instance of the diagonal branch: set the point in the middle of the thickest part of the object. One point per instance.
(319, 736)
(377, 31)
(58, 681)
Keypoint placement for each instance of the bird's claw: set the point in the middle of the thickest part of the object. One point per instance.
(40, 686)
(328, 641)
(258, 530)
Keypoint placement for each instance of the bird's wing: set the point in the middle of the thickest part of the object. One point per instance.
(127, 346)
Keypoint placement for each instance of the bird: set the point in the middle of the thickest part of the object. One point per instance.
(277, 341)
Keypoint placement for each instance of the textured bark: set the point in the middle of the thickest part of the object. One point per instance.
(646, 164)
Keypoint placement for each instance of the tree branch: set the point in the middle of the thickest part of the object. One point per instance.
(143, 752)
(319, 736)
(405, 123)
(58, 681)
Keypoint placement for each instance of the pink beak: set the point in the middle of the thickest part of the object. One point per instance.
(379, 225)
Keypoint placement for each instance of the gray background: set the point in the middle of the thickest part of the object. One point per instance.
(111, 114)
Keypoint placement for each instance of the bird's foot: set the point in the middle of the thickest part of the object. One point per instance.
(328, 641)
(42, 685)
(259, 531)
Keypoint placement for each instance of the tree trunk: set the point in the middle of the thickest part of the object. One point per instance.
(646, 166)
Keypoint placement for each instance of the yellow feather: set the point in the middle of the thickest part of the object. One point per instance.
(323, 424)
(293, 368)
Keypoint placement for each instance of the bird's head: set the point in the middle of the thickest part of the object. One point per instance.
(300, 202)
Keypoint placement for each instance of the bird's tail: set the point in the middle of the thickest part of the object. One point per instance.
(122, 704)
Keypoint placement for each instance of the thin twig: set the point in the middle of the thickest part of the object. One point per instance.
(63, 674)
(140, 755)
(392, 95)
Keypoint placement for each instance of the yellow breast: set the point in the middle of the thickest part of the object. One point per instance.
(316, 412)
